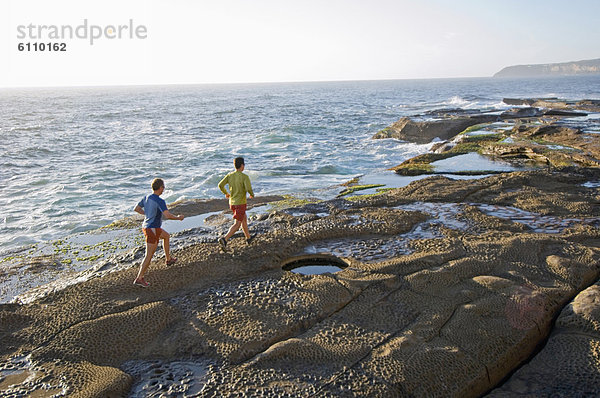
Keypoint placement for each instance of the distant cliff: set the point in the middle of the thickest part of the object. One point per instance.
(586, 67)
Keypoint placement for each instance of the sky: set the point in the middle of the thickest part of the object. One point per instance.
(232, 41)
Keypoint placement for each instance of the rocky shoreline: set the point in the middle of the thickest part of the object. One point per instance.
(449, 287)
(532, 133)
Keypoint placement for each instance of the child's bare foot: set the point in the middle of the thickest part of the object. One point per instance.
(141, 282)
(173, 260)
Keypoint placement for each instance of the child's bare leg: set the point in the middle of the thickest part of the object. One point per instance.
(150, 249)
(165, 237)
(233, 229)
(245, 227)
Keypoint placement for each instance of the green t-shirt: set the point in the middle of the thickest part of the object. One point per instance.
(239, 185)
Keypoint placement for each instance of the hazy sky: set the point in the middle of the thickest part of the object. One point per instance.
(215, 41)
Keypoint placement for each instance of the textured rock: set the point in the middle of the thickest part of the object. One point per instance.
(579, 148)
(569, 363)
(562, 112)
(537, 138)
(586, 105)
(519, 101)
(441, 147)
(521, 112)
(529, 151)
(422, 132)
(454, 317)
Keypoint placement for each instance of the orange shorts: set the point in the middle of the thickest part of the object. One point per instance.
(152, 237)
(239, 211)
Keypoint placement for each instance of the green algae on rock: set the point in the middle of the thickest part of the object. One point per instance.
(422, 164)
(355, 188)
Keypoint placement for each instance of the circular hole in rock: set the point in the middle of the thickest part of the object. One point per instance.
(314, 265)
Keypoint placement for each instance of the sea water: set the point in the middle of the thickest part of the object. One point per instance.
(76, 159)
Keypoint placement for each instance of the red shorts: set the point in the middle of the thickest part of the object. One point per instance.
(239, 211)
(152, 237)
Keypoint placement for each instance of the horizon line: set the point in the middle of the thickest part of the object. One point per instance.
(234, 82)
(278, 82)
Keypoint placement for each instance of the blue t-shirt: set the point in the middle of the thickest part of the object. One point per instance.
(153, 207)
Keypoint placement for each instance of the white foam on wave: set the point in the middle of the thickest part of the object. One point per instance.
(168, 194)
(457, 100)
(473, 102)
(253, 174)
(500, 105)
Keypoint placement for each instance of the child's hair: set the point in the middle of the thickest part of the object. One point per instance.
(238, 162)
(157, 183)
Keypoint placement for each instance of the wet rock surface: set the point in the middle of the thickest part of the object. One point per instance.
(569, 363)
(422, 132)
(556, 103)
(525, 137)
(456, 286)
(445, 124)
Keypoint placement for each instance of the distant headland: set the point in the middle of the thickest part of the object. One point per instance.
(586, 67)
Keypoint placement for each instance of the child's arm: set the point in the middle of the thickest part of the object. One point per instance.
(170, 216)
(248, 187)
(222, 184)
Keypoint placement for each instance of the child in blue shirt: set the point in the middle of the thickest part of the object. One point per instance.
(152, 207)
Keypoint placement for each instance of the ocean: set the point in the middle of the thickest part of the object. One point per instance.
(76, 159)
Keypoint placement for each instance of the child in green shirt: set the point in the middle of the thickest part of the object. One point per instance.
(239, 185)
